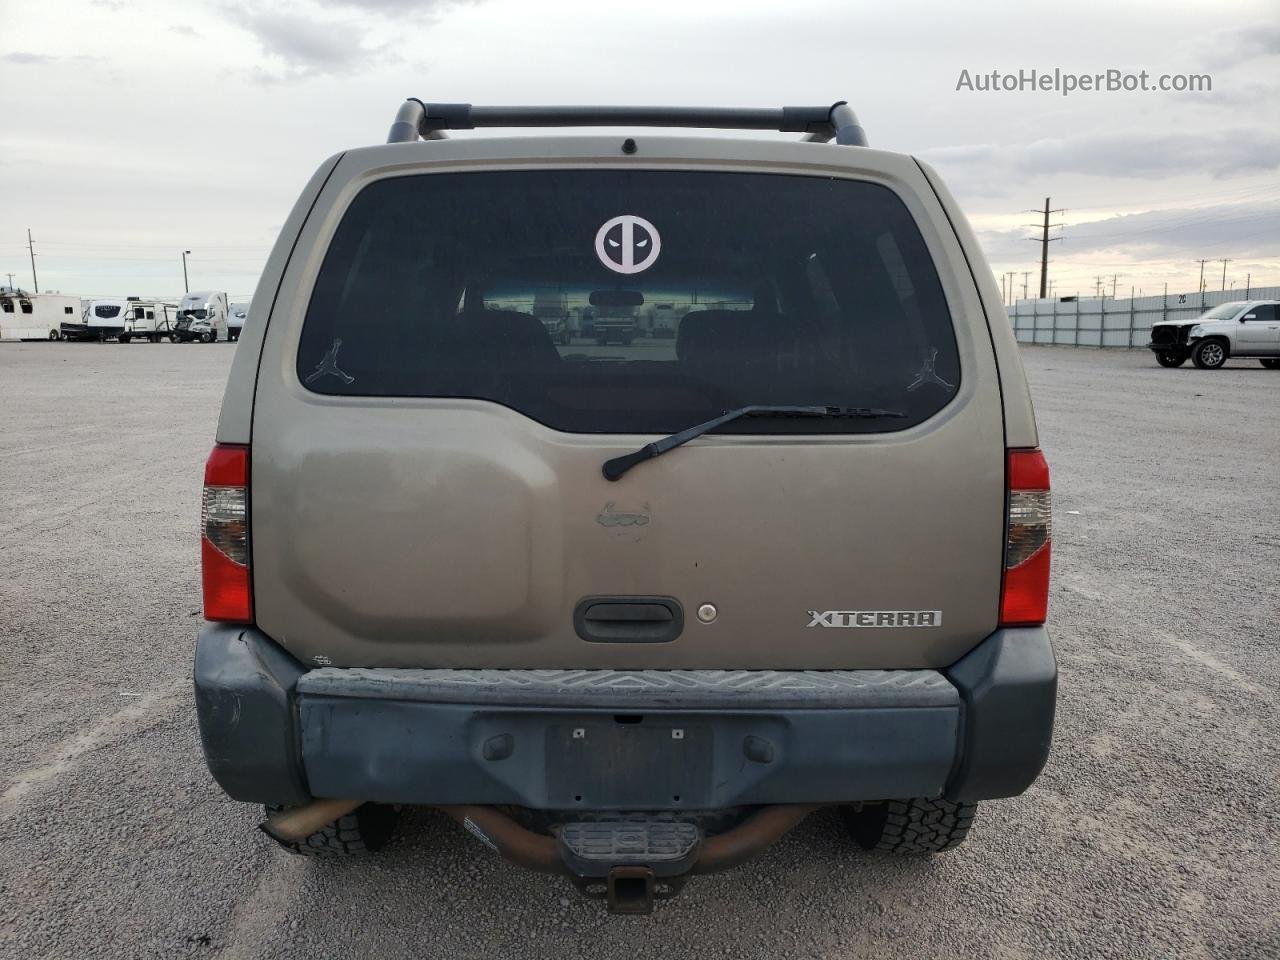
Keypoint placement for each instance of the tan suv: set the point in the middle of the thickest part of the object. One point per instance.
(625, 611)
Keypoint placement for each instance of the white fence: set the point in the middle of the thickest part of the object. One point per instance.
(1102, 322)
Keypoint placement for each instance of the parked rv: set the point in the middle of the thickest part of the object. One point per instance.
(103, 319)
(202, 316)
(235, 320)
(34, 316)
(148, 320)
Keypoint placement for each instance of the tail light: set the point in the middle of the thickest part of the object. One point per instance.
(1024, 594)
(224, 540)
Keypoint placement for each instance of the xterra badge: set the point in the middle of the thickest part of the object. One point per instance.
(875, 618)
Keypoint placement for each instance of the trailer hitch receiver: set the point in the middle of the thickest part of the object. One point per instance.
(630, 890)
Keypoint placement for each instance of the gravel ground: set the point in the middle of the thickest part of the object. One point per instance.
(1152, 833)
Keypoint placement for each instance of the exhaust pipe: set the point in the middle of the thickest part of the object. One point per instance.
(758, 832)
(295, 825)
(498, 832)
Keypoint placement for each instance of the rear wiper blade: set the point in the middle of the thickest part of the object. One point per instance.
(615, 468)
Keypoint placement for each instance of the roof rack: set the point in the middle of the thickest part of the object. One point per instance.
(818, 124)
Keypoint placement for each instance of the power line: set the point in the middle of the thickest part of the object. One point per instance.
(1169, 227)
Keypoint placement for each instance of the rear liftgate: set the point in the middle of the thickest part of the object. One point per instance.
(629, 860)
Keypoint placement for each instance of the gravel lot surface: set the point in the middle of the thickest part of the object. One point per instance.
(1152, 833)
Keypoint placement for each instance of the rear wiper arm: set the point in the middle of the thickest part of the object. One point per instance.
(615, 468)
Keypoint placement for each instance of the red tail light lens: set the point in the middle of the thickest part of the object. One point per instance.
(224, 540)
(1024, 595)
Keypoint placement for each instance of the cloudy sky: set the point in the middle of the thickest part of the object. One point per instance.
(135, 130)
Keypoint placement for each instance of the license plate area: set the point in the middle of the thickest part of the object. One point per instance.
(628, 763)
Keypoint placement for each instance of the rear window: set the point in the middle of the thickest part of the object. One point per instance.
(633, 301)
(107, 311)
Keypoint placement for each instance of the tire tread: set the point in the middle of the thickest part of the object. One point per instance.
(364, 830)
(918, 825)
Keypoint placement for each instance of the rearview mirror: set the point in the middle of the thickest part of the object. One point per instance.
(616, 298)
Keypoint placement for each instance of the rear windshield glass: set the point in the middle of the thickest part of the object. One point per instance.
(634, 301)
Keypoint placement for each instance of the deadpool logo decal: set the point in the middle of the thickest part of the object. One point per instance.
(628, 244)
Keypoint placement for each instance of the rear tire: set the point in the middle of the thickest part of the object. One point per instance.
(208, 337)
(910, 826)
(1209, 354)
(1170, 359)
(53, 334)
(367, 829)
(1271, 363)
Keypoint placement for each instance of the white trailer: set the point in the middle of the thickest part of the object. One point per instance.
(104, 318)
(35, 316)
(149, 320)
(202, 316)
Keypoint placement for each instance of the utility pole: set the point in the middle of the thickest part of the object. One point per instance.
(1025, 274)
(1011, 274)
(10, 281)
(1044, 240)
(31, 250)
(1114, 278)
(1225, 261)
(1200, 288)
(1247, 278)
(1097, 286)
(1004, 296)
(186, 288)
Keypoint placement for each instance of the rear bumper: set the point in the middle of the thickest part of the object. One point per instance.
(274, 732)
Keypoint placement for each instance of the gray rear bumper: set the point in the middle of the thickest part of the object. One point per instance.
(554, 739)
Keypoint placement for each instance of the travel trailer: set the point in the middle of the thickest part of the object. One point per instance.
(124, 318)
(34, 316)
(202, 316)
(148, 320)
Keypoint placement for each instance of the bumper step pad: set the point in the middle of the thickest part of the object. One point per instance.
(592, 849)
(632, 862)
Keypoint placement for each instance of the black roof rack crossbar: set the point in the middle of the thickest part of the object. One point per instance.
(818, 124)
